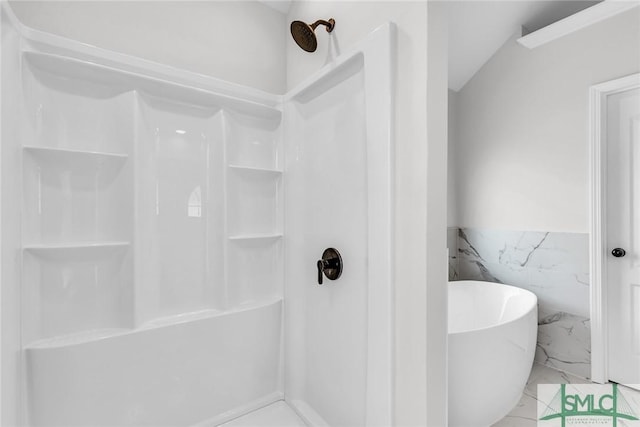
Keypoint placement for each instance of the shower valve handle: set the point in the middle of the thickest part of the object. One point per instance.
(321, 267)
(330, 265)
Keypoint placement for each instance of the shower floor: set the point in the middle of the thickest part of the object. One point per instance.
(278, 414)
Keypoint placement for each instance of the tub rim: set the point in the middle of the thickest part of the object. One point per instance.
(533, 307)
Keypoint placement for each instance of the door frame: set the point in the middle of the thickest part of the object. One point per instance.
(598, 95)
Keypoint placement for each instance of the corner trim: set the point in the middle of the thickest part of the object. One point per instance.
(577, 21)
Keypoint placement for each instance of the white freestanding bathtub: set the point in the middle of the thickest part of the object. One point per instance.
(492, 341)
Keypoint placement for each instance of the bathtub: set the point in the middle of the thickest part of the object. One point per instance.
(200, 369)
(492, 341)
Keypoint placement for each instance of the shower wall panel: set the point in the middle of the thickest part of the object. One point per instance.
(149, 257)
(180, 194)
(338, 195)
(328, 199)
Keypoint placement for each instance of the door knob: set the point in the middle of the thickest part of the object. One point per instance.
(330, 265)
(618, 252)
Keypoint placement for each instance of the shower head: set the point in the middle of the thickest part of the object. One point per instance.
(304, 34)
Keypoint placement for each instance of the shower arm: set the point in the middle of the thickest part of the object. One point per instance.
(329, 24)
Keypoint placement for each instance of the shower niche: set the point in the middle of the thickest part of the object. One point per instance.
(150, 257)
(254, 207)
(77, 204)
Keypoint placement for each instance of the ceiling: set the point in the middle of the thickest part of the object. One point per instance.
(281, 6)
(478, 28)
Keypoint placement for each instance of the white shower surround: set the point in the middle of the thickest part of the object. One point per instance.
(235, 214)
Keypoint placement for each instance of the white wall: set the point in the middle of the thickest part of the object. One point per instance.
(418, 402)
(521, 151)
(437, 255)
(452, 172)
(237, 41)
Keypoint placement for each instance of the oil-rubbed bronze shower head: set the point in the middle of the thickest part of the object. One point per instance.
(304, 34)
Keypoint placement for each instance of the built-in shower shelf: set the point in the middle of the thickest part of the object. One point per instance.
(57, 154)
(251, 169)
(266, 236)
(77, 338)
(63, 250)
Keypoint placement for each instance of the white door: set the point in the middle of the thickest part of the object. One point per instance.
(623, 235)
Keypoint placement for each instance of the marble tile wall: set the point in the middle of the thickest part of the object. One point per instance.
(554, 266)
(452, 245)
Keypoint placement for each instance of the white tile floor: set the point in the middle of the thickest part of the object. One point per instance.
(525, 412)
(278, 414)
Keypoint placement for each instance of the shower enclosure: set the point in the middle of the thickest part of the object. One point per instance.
(160, 233)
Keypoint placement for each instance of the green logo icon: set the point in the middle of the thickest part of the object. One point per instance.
(564, 406)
